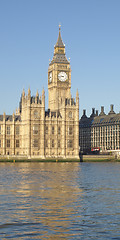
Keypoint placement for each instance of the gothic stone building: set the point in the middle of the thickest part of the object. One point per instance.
(100, 132)
(34, 132)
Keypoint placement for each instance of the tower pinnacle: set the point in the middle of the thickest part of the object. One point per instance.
(59, 41)
(59, 51)
(59, 27)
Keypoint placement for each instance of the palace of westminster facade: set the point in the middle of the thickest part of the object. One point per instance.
(57, 133)
(35, 132)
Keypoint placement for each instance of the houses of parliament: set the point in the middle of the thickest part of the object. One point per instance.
(36, 133)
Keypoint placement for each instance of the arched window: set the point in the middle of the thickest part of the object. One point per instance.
(35, 129)
(35, 114)
(70, 114)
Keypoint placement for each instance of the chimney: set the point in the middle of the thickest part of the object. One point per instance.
(111, 107)
(96, 112)
(84, 111)
(102, 109)
(93, 110)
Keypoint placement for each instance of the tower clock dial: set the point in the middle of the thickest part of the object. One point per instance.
(62, 76)
(50, 77)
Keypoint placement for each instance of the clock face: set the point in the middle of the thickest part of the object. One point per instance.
(62, 76)
(50, 77)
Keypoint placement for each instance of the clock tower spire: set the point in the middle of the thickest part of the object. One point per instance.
(59, 75)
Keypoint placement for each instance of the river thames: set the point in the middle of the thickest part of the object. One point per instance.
(60, 201)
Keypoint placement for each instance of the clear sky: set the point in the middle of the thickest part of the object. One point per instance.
(90, 30)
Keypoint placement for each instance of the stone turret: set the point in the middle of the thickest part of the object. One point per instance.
(43, 97)
(4, 116)
(23, 93)
(29, 93)
(37, 94)
(77, 97)
(13, 116)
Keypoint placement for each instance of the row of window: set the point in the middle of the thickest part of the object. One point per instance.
(36, 130)
(105, 133)
(70, 130)
(8, 130)
(107, 128)
(8, 143)
(36, 143)
(107, 147)
(105, 136)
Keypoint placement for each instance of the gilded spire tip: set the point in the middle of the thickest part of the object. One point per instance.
(59, 27)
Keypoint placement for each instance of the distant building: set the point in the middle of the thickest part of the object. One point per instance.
(99, 132)
(54, 133)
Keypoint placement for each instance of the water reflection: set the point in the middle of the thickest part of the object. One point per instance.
(59, 201)
(42, 194)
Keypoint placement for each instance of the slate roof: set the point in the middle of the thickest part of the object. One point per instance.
(59, 41)
(10, 118)
(100, 120)
(107, 119)
(85, 121)
(17, 118)
(59, 57)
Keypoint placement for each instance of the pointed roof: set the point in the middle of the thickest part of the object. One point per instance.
(43, 92)
(59, 41)
(59, 55)
(77, 93)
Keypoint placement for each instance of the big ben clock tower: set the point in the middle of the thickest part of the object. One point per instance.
(59, 76)
(45, 134)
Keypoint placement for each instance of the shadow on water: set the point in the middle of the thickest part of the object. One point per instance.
(81, 157)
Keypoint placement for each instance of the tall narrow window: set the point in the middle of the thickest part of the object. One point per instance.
(52, 143)
(58, 143)
(52, 130)
(70, 143)
(59, 130)
(17, 143)
(36, 115)
(46, 143)
(35, 143)
(0, 143)
(70, 114)
(8, 143)
(46, 130)
(8, 130)
(17, 130)
(35, 129)
(70, 130)
(0, 129)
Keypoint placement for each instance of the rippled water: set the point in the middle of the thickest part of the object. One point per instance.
(60, 201)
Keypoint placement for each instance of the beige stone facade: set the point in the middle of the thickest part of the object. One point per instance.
(37, 133)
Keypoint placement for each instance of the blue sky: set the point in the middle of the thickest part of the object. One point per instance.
(90, 30)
